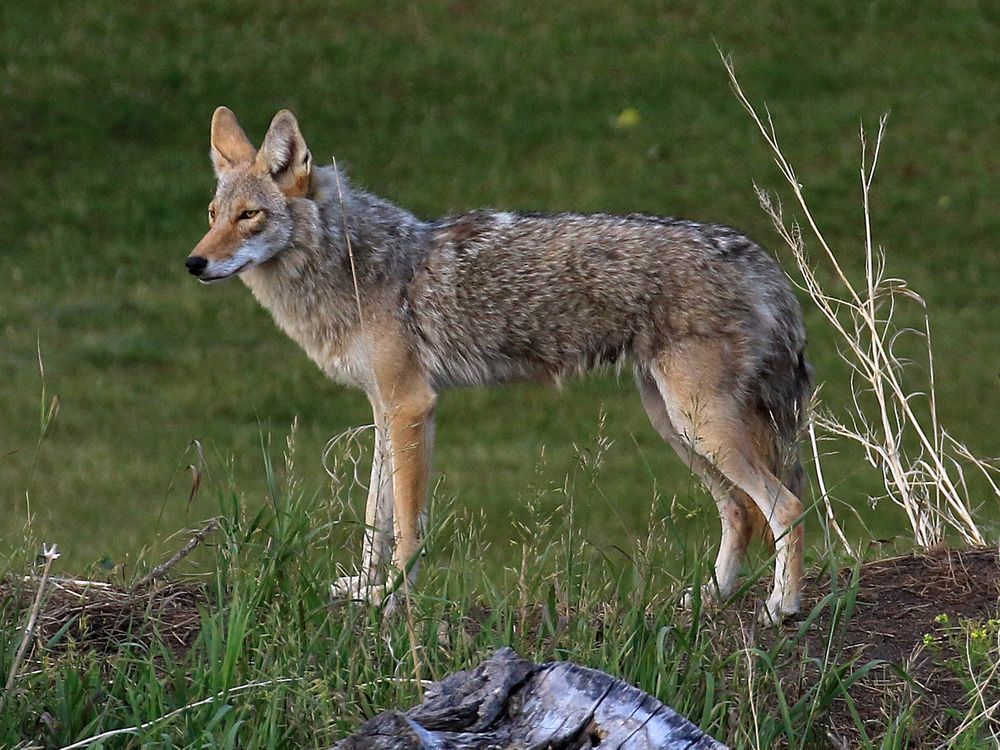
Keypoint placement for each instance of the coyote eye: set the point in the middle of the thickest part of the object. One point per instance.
(211, 214)
(249, 214)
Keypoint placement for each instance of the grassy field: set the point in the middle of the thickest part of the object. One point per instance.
(250, 654)
(442, 107)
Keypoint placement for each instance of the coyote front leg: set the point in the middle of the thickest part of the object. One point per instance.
(370, 581)
(378, 511)
(411, 435)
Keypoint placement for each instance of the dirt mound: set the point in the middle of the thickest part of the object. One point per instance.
(910, 613)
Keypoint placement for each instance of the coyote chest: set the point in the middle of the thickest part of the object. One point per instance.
(331, 338)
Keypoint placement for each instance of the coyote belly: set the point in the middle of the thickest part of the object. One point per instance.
(404, 308)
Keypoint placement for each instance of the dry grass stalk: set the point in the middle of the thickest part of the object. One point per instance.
(898, 429)
(831, 519)
(51, 554)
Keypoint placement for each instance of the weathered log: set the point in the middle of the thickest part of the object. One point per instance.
(509, 703)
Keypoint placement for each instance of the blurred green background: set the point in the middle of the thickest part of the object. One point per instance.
(443, 107)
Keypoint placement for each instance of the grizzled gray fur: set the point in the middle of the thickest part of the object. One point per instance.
(404, 308)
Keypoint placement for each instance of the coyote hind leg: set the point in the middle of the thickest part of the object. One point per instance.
(739, 516)
(692, 381)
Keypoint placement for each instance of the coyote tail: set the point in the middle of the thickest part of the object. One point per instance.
(788, 414)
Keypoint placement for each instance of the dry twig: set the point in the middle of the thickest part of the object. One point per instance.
(161, 570)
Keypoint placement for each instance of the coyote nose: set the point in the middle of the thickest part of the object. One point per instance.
(196, 265)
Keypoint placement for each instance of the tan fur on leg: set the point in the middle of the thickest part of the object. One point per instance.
(736, 511)
(692, 381)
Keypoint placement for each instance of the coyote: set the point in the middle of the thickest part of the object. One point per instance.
(403, 308)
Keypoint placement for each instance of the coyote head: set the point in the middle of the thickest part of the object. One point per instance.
(249, 218)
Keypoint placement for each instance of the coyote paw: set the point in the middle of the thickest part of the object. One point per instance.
(358, 589)
(710, 596)
(776, 609)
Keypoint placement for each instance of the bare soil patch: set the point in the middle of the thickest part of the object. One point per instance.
(905, 608)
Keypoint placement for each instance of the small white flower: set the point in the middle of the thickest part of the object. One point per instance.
(50, 553)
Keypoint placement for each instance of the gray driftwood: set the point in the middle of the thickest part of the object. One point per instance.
(508, 703)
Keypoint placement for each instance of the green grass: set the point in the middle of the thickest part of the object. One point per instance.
(443, 107)
(275, 665)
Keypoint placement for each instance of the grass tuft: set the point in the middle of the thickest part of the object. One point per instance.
(273, 663)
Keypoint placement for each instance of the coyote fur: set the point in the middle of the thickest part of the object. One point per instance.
(403, 308)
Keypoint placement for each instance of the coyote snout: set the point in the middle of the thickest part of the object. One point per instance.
(404, 308)
(195, 264)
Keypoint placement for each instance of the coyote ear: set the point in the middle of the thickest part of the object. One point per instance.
(285, 155)
(230, 145)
